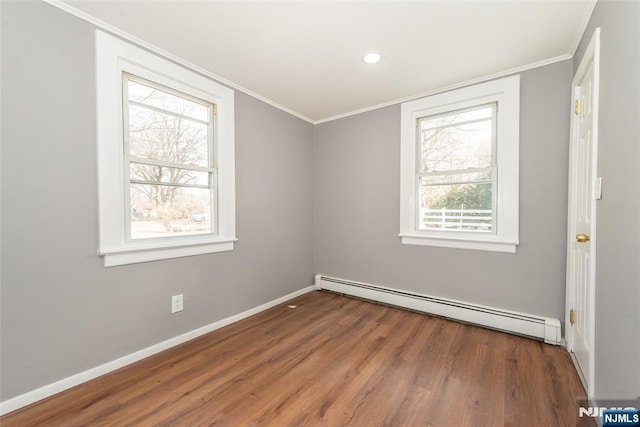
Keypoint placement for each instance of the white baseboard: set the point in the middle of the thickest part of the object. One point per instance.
(541, 327)
(30, 397)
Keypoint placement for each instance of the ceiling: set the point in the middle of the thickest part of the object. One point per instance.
(306, 56)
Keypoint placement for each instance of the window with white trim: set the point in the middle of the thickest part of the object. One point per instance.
(459, 168)
(165, 157)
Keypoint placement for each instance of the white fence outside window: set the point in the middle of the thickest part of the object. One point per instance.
(457, 219)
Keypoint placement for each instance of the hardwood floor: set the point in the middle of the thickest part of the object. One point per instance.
(331, 361)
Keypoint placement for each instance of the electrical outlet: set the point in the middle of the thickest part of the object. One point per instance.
(176, 303)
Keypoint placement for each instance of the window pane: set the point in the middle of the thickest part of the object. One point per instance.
(161, 136)
(163, 211)
(165, 175)
(141, 93)
(466, 207)
(457, 141)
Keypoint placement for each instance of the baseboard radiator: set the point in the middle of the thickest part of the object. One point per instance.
(545, 328)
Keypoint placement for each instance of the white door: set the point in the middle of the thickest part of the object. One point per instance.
(582, 246)
(582, 196)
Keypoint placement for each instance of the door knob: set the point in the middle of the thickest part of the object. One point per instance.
(581, 238)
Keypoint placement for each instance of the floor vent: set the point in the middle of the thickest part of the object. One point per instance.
(545, 328)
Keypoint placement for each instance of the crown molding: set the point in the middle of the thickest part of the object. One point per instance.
(448, 88)
(200, 70)
(167, 55)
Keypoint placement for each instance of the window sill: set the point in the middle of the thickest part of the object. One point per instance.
(145, 253)
(480, 244)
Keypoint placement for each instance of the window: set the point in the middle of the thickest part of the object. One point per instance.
(165, 157)
(459, 168)
(168, 144)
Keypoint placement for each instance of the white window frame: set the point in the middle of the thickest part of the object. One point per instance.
(506, 93)
(113, 58)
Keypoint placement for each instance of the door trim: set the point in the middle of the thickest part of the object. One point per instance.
(591, 56)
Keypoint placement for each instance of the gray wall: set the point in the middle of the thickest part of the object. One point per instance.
(357, 161)
(617, 344)
(62, 312)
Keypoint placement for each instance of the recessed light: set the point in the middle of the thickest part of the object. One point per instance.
(371, 57)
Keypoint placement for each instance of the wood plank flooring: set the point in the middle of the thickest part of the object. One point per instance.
(331, 361)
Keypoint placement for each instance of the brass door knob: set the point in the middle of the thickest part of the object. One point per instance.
(581, 238)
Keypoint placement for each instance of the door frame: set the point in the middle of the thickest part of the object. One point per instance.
(591, 56)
